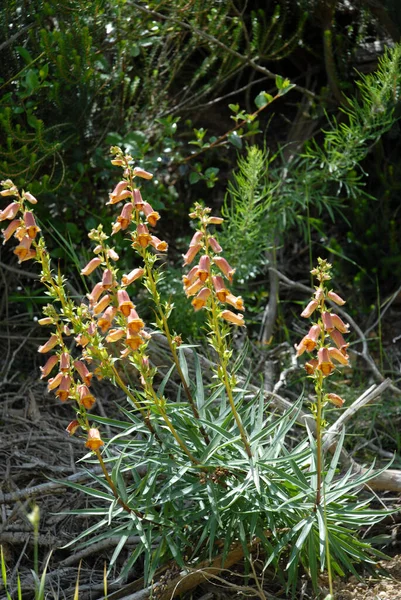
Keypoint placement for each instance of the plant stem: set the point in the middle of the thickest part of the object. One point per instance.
(319, 384)
(171, 344)
(127, 391)
(113, 487)
(152, 394)
(222, 351)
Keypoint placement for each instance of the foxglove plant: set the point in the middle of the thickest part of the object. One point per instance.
(217, 464)
(327, 329)
(206, 281)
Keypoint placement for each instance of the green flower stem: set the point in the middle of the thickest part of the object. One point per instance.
(113, 487)
(171, 344)
(131, 396)
(319, 461)
(222, 350)
(159, 403)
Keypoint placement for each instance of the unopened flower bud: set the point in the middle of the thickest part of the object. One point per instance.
(112, 254)
(132, 276)
(64, 361)
(339, 324)
(9, 212)
(196, 239)
(46, 321)
(215, 246)
(310, 309)
(12, 228)
(100, 306)
(327, 321)
(119, 193)
(139, 172)
(335, 399)
(91, 266)
(190, 255)
(11, 191)
(228, 315)
(339, 341)
(224, 267)
(28, 196)
(49, 366)
(96, 293)
(319, 294)
(49, 345)
(215, 220)
(83, 372)
(336, 298)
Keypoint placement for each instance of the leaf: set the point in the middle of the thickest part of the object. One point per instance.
(235, 140)
(200, 392)
(183, 364)
(336, 457)
(286, 89)
(24, 54)
(263, 99)
(194, 177)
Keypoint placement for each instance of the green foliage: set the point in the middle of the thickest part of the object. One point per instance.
(247, 204)
(268, 197)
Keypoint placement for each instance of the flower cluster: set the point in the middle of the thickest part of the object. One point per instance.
(109, 315)
(208, 278)
(325, 336)
(23, 227)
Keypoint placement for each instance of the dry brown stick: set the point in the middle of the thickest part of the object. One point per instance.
(45, 489)
(98, 547)
(21, 537)
(368, 396)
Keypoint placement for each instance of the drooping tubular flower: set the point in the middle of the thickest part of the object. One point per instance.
(328, 328)
(94, 441)
(207, 279)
